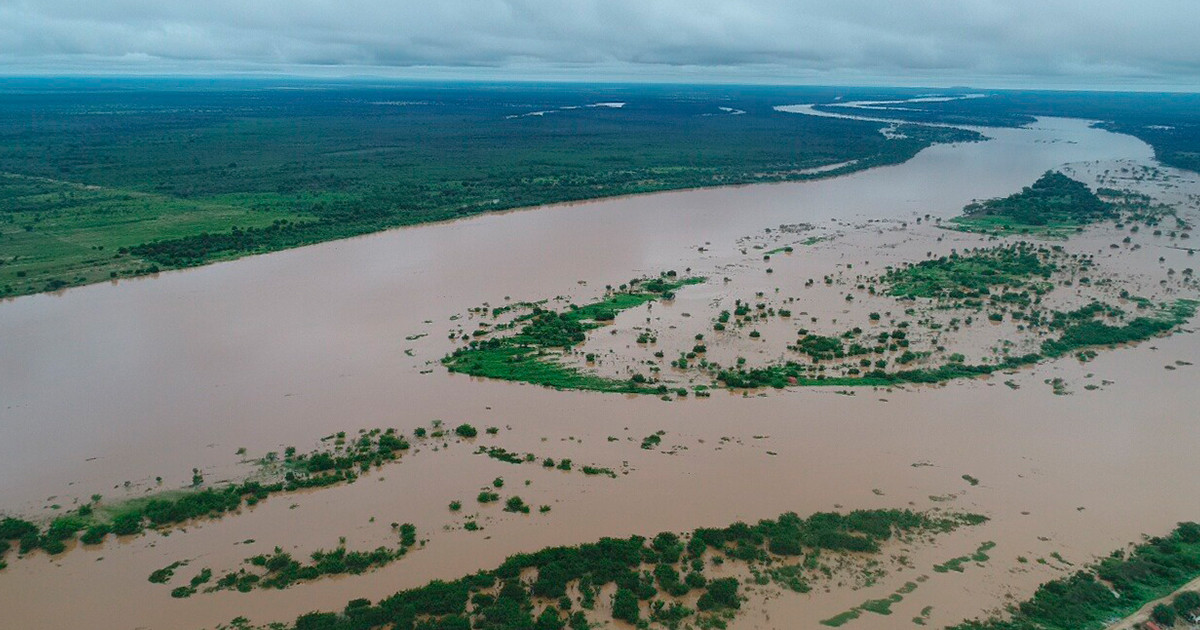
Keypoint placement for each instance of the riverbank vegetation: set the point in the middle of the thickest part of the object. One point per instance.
(100, 183)
(658, 582)
(1115, 587)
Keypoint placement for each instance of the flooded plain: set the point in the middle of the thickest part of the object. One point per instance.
(104, 389)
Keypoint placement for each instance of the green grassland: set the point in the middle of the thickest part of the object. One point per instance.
(123, 178)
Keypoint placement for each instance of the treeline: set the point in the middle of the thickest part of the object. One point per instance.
(1114, 588)
(1096, 333)
(791, 373)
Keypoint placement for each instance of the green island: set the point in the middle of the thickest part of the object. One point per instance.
(1055, 205)
(1113, 588)
(992, 284)
(280, 570)
(658, 582)
(101, 184)
(532, 354)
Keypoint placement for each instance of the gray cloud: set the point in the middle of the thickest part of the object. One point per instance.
(1099, 42)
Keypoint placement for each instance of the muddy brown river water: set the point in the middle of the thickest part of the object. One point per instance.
(109, 384)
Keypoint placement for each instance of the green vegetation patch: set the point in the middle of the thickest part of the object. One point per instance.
(280, 570)
(532, 354)
(1089, 332)
(842, 619)
(973, 274)
(958, 564)
(1055, 205)
(339, 461)
(1115, 587)
(528, 589)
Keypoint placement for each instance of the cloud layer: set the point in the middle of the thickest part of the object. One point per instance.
(1057, 41)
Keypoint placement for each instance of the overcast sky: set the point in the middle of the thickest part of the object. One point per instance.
(987, 43)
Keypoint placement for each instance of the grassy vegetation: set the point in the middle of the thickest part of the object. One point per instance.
(883, 605)
(532, 590)
(532, 354)
(1112, 589)
(130, 177)
(1055, 205)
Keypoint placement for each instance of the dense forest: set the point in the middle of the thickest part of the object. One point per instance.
(114, 178)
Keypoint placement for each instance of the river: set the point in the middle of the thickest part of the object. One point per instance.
(129, 381)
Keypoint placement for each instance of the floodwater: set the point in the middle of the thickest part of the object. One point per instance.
(109, 384)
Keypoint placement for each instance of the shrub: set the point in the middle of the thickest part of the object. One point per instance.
(465, 431)
(720, 593)
(625, 606)
(516, 504)
(1163, 614)
(15, 528)
(127, 524)
(94, 535)
(1186, 602)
